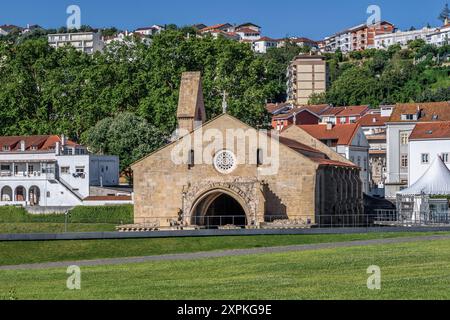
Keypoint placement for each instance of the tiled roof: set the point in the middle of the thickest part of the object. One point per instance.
(353, 111)
(267, 39)
(342, 133)
(300, 146)
(372, 120)
(332, 111)
(291, 113)
(430, 111)
(216, 26)
(318, 109)
(247, 30)
(273, 107)
(37, 143)
(424, 131)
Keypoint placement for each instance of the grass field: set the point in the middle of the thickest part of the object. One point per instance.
(409, 271)
(13, 253)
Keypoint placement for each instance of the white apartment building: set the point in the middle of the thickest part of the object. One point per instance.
(87, 42)
(427, 141)
(263, 44)
(383, 41)
(398, 130)
(150, 31)
(51, 171)
(440, 36)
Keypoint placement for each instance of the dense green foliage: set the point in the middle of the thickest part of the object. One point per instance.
(415, 74)
(48, 91)
(106, 214)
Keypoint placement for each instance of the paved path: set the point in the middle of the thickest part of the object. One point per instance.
(224, 253)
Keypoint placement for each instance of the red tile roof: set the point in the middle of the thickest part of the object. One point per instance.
(332, 111)
(291, 113)
(425, 131)
(372, 120)
(318, 109)
(428, 111)
(298, 146)
(273, 107)
(214, 27)
(247, 30)
(353, 111)
(343, 134)
(267, 39)
(37, 143)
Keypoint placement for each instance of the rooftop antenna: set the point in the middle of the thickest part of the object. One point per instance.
(224, 102)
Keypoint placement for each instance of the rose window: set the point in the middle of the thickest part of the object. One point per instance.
(225, 161)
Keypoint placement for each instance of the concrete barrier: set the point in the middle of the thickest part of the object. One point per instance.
(205, 233)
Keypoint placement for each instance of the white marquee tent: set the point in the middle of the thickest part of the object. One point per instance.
(413, 203)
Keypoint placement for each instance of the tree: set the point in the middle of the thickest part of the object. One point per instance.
(445, 13)
(126, 135)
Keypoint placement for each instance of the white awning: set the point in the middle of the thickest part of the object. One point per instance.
(435, 181)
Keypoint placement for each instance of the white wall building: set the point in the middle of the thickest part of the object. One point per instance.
(51, 171)
(263, 44)
(440, 36)
(150, 31)
(383, 41)
(87, 42)
(398, 129)
(427, 141)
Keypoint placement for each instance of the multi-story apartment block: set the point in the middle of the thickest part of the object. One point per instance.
(51, 171)
(383, 41)
(356, 38)
(441, 36)
(307, 75)
(398, 130)
(87, 42)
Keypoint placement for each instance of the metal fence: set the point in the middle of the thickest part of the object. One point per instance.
(411, 218)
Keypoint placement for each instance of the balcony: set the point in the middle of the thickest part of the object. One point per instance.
(31, 170)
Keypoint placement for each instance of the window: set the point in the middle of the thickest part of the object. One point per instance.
(48, 194)
(30, 168)
(445, 157)
(79, 169)
(342, 120)
(404, 138)
(5, 148)
(65, 170)
(404, 161)
(5, 167)
(425, 158)
(409, 117)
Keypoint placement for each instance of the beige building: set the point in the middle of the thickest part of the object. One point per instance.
(307, 74)
(254, 179)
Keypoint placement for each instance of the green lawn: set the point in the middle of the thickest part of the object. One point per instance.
(409, 271)
(12, 253)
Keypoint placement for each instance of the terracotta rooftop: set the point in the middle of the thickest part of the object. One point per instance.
(273, 107)
(216, 26)
(425, 131)
(332, 111)
(344, 133)
(246, 30)
(313, 154)
(430, 111)
(291, 113)
(35, 143)
(372, 120)
(353, 111)
(318, 109)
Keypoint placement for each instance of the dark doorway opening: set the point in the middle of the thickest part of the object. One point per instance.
(223, 210)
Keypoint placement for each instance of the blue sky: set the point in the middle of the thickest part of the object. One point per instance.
(310, 18)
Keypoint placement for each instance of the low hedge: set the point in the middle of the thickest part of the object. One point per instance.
(106, 214)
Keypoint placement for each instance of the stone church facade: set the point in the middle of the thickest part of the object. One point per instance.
(253, 179)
